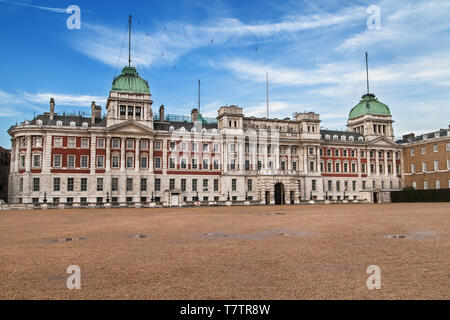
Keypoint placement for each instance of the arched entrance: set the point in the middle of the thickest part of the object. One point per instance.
(279, 194)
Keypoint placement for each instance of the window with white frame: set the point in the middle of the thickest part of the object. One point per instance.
(85, 143)
(424, 167)
(157, 163)
(23, 142)
(144, 162)
(414, 185)
(115, 143)
(100, 161)
(36, 160)
(115, 162)
(425, 185)
(438, 184)
(37, 142)
(172, 163)
(130, 144)
(70, 161)
(183, 163)
(424, 151)
(435, 148)
(448, 166)
(194, 163)
(205, 165)
(216, 147)
(157, 145)
(413, 168)
(84, 161)
(71, 142)
(130, 161)
(183, 146)
(101, 143)
(172, 145)
(436, 165)
(216, 164)
(57, 161)
(205, 147)
(58, 142)
(411, 152)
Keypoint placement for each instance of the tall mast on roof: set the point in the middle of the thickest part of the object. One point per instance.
(367, 71)
(129, 41)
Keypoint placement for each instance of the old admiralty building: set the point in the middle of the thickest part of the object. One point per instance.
(132, 157)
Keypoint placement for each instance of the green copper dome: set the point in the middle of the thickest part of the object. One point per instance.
(129, 81)
(369, 105)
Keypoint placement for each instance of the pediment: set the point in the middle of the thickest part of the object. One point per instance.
(130, 127)
(382, 141)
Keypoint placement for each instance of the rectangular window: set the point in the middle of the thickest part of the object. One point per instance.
(363, 167)
(232, 164)
(22, 161)
(115, 143)
(294, 166)
(311, 166)
(354, 185)
(216, 164)
(205, 185)
(83, 184)
(412, 152)
(130, 161)
(138, 112)
(130, 144)
(130, 111)
(144, 163)
(100, 161)
(70, 184)
(71, 142)
(129, 184)
(216, 184)
(425, 185)
(123, 110)
(364, 185)
(36, 160)
(84, 161)
(233, 184)
(259, 165)
(313, 185)
(330, 185)
(194, 163)
(144, 144)
(172, 163)
(183, 163)
(436, 165)
(283, 165)
(216, 147)
(85, 143)
(157, 184)
(172, 145)
(114, 184)
(205, 147)
(115, 162)
(143, 184)
(249, 184)
(205, 165)
(424, 151)
(424, 167)
(183, 184)
(194, 184)
(58, 142)
(37, 142)
(413, 168)
(338, 186)
(101, 143)
(157, 163)
(99, 184)
(157, 145)
(56, 184)
(70, 161)
(338, 167)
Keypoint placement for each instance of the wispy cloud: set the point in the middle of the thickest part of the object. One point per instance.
(402, 22)
(72, 100)
(177, 38)
(57, 10)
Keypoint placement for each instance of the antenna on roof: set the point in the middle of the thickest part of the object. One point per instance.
(367, 71)
(267, 94)
(129, 41)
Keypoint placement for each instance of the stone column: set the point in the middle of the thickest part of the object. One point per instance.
(28, 155)
(377, 162)
(122, 154)
(136, 161)
(150, 156)
(386, 173)
(108, 154)
(305, 160)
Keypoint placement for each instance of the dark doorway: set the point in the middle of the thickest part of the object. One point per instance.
(267, 197)
(279, 194)
(375, 197)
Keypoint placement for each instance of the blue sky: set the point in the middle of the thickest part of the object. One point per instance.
(312, 50)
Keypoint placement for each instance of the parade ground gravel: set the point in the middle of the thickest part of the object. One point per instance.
(285, 252)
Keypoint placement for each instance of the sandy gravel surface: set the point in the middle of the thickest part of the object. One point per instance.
(288, 252)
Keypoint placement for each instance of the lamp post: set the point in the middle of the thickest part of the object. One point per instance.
(310, 196)
(45, 197)
(152, 199)
(246, 196)
(228, 197)
(326, 195)
(107, 197)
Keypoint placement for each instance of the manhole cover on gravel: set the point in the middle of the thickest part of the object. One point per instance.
(396, 237)
(66, 240)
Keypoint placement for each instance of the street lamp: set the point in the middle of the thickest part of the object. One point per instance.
(311, 196)
(152, 199)
(228, 197)
(45, 197)
(107, 197)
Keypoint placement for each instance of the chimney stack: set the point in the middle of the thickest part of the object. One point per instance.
(96, 112)
(52, 109)
(161, 113)
(194, 115)
(409, 137)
